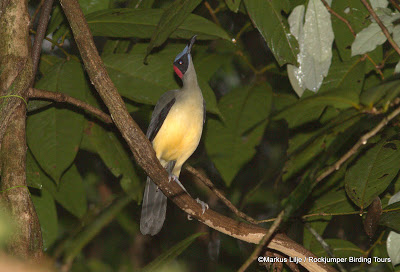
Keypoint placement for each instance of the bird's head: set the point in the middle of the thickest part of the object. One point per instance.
(183, 59)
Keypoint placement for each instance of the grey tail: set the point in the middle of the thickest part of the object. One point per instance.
(154, 206)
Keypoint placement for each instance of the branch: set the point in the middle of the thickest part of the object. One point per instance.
(60, 97)
(264, 241)
(40, 33)
(145, 156)
(220, 195)
(382, 26)
(362, 141)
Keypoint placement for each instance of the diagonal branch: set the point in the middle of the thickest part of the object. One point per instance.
(145, 155)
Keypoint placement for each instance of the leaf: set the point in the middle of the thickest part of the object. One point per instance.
(267, 17)
(383, 92)
(172, 253)
(315, 40)
(231, 144)
(233, 5)
(93, 228)
(90, 6)
(340, 249)
(368, 39)
(47, 214)
(391, 216)
(146, 83)
(393, 247)
(172, 17)
(70, 188)
(372, 218)
(54, 134)
(345, 75)
(379, 3)
(115, 157)
(310, 107)
(373, 172)
(141, 23)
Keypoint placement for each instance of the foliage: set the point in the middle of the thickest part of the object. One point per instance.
(289, 90)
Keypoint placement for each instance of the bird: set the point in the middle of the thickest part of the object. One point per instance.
(175, 130)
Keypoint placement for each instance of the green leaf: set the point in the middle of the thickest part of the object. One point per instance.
(90, 6)
(340, 248)
(267, 17)
(70, 188)
(57, 17)
(47, 214)
(368, 39)
(233, 5)
(54, 134)
(171, 254)
(393, 247)
(93, 228)
(391, 216)
(172, 17)
(115, 156)
(141, 23)
(146, 83)
(373, 172)
(231, 144)
(346, 75)
(383, 93)
(310, 107)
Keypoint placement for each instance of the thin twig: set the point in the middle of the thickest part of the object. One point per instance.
(362, 141)
(395, 4)
(60, 97)
(53, 42)
(40, 34)
(219, 194)
(36, 12)
(324, 245)
(264, 241)
(382, 26)
(212, 13)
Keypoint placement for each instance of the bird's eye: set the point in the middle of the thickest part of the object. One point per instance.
(180, 62)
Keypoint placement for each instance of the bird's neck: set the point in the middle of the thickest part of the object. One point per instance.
(190, 79)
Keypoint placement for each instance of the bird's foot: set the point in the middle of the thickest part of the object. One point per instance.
(204, 206)
(189, 217)
(173, 177)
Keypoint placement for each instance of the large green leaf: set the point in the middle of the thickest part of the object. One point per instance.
(383, 93)
(54, 134)
(70, 193)
(172, 17)
(267, 17)
(340, 249)
(233, 5)
(171, 254)
(146, 83)
(47, 214)
(391, 216)
(141, 23)
(115, 156)
(310, 107)
(231, 144)
(373, 172)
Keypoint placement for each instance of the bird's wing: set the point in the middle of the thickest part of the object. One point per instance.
(160, 112)
(204, 111)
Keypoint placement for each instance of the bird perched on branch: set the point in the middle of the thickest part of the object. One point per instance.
(175, 130)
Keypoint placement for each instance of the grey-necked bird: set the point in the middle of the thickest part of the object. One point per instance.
(175, 130)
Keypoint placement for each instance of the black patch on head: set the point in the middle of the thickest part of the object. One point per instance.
(159, 121)
(182, 63)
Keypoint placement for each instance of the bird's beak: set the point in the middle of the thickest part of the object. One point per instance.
(191, 42)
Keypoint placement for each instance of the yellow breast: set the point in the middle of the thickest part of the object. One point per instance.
(180, 133)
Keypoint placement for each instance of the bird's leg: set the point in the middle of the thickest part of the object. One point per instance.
(204, 206)
(172, 177)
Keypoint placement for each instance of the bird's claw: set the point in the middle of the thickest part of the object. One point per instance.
(204, 206)
(189, 217)
(173, 177)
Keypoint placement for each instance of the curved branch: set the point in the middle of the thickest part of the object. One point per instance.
(145, 155)
(60, 97)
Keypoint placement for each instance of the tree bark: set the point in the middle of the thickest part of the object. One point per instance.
(16, 75)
